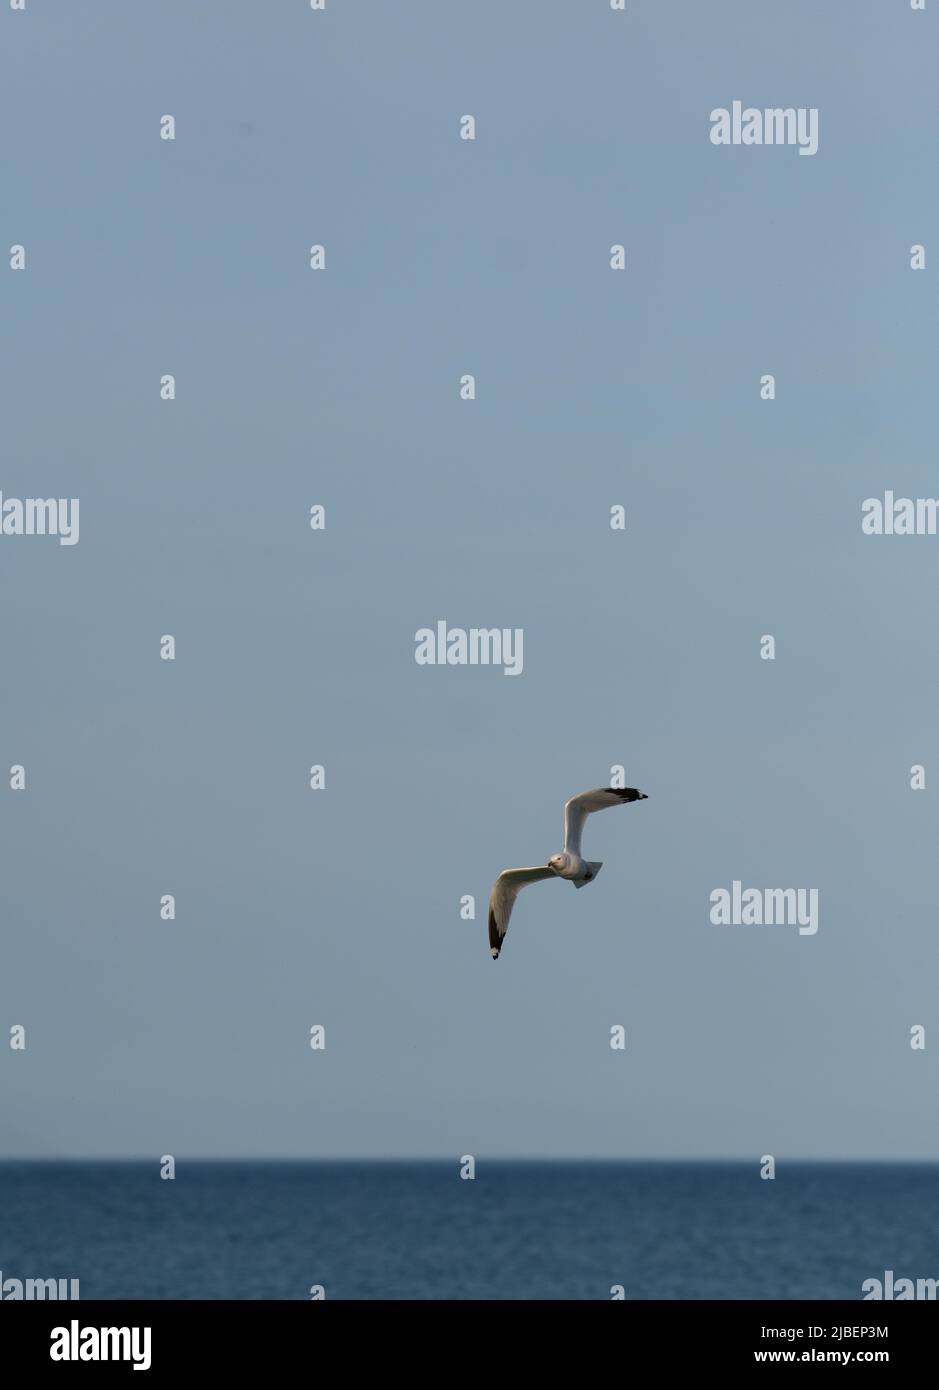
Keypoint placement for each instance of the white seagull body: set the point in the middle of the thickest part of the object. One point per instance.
(568, 864)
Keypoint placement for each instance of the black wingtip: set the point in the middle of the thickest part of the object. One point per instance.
(628, 793)
(495, 941)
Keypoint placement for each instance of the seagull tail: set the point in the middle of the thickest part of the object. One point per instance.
(593, 868)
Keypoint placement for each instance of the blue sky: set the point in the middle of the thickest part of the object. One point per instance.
(341, 907)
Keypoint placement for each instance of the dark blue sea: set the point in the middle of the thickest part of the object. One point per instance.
(411, 1230)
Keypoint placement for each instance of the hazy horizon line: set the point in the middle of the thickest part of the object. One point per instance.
(450, 1160)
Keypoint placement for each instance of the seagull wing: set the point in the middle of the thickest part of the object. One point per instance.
(502, 899)
(579, 808)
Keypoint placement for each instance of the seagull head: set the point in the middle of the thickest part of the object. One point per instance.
(557, 862)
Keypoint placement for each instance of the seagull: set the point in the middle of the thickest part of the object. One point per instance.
(568, 864)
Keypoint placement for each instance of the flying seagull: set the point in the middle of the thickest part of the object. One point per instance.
(568, 864)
